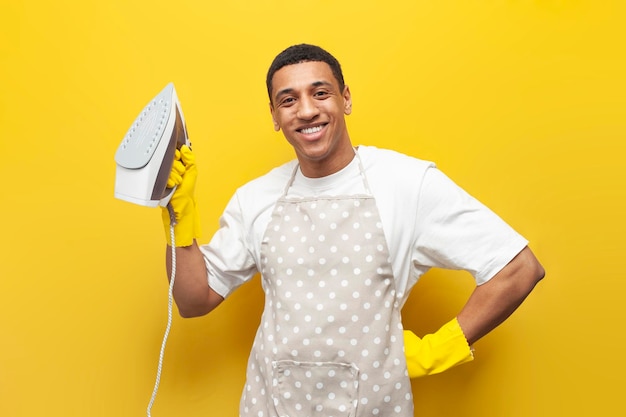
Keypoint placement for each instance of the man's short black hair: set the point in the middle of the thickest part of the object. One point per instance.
(303, 53)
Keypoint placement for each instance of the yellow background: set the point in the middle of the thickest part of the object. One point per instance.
(522, 102)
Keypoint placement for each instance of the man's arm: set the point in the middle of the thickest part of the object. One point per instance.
(192, 293)
(492, 302)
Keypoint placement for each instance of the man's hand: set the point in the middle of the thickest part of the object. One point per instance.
(437, 352)
(182, 206)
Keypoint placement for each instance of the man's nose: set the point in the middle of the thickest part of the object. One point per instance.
(307, 109)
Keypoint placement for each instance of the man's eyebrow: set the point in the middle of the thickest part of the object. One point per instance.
(321, 83)
(283, 92)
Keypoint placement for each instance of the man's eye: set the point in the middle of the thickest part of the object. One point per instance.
(321, 94)
(287, 101)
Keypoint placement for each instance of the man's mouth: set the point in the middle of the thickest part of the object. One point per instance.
(310, 130)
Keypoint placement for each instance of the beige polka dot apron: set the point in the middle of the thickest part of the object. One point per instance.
(330, 340)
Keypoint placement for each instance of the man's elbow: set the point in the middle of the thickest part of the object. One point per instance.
(522, 274)
(189, 313)
(533, 270)
(199, 307)
(538, 271)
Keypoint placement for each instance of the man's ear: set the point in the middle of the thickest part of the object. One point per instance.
(347, 100)
(276, 125)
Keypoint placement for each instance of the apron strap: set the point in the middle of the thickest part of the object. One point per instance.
(362, 171)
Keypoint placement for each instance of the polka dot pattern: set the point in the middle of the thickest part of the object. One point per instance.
(325, 345)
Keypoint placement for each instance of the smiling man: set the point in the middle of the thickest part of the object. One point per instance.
(340, 235)
(309, 104)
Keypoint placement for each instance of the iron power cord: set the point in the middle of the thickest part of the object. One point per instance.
(169, 311)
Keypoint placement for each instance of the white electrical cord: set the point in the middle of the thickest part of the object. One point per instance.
(169, 319)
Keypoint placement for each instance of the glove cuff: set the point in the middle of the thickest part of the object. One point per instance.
(437, 352)
(452, 334)
(187, 227)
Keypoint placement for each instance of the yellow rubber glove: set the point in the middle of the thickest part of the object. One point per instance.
(437, 352)
(183, 202)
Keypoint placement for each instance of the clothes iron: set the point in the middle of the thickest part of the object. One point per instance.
(144, 161)
(145, 156)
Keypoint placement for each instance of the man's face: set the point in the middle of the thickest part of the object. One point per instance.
(309, 107)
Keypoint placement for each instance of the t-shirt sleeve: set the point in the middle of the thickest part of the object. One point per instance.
(456, 231)
(228, 259)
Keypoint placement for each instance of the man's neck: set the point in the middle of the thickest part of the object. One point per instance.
(328, 166)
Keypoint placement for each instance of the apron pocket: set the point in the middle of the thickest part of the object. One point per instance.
(315, 389)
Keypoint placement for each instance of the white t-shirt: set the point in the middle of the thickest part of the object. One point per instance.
(428, 221)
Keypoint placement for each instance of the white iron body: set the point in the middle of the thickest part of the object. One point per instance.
(144, 158)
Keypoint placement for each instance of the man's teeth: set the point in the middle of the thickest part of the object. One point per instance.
(310, 130)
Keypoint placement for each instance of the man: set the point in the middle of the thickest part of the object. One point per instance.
(340, 236)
